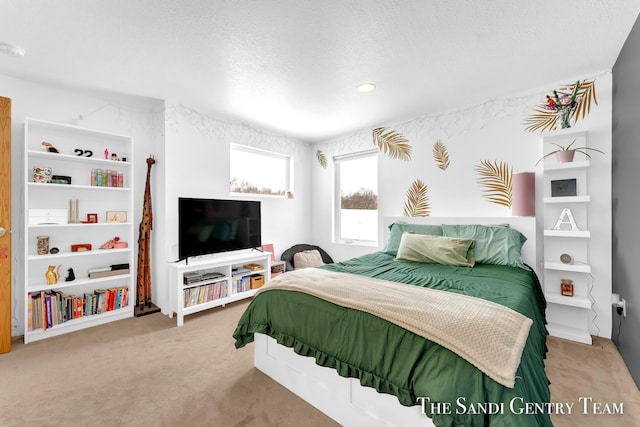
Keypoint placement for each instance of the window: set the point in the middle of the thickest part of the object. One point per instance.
(254, 171)
(356, 197)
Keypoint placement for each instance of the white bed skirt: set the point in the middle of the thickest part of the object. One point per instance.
(342, 399)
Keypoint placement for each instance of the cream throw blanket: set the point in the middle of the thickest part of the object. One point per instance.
(488, 335)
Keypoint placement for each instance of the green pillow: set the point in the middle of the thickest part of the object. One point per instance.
(436, 250)
(494, 244)
(397, 228)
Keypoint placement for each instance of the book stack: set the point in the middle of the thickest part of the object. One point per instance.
(240, 284)
(112, 270)
(205, 293)
(47, 309)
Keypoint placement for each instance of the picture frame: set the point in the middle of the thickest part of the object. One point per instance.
(92, 218)
(116, 216)
(268, 247)
(564, 188)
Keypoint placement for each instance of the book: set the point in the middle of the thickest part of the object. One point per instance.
(98, 269)
(108, 273)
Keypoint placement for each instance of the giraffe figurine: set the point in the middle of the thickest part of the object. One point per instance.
(144, 266)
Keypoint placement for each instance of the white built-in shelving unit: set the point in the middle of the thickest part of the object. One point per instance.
(91, 199)
(567, 316)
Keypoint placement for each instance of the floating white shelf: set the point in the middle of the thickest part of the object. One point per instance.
(574, 301)
(579, 268)
(567, 233)
(569, 199)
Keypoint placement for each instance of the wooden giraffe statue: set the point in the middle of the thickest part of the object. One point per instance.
(144, 267)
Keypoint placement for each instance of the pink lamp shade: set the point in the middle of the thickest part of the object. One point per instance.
(523, 194)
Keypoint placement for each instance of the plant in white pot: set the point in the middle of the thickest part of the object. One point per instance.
(565, 153)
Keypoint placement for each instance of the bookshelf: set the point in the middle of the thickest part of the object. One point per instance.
(567, 315)
(61, 194)
(215, 281)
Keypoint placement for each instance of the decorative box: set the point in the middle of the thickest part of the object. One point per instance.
(47, 216)
(41, 175)
(257, 280)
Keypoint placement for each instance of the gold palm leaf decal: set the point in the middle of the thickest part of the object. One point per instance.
(417, 203)
(392, 143)
(496, 178)
(441, 155)
(322, 159)
(544, 119)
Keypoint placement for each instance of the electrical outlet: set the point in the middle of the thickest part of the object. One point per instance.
(621, 307)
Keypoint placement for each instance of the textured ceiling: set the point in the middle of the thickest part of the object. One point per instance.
(292, 66)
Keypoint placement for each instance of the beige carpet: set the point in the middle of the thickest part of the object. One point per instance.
(147, 372)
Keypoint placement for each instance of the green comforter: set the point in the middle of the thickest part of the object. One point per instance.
(396, 361)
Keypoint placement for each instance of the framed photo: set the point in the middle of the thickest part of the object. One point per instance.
(116, 216)
(92, 218)
(563, 188)
(269, 248)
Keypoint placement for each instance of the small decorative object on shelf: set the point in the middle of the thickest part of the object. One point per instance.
(566, 287)
(566, 259)
(54, 251)
(92, 218)
(114, 156)
(563, 187)
(81, 247)
(52, 275)
(566, 153)
(106, 154)
(116, 216)
(85, 153)
(48, 147)
(566, 217)
(70, 276)
(43, 245)
(60, 179)
(74, 210)
(110, 244)
(42, 175)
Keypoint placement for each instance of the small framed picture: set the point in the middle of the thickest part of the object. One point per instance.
(116, 216)
(92, 218)
(563, 188)
(269, 248)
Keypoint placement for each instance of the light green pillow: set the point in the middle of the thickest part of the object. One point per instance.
(494, 244)
(397, 228)
(436, 250)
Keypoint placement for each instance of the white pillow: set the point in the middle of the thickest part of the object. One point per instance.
(306, 259)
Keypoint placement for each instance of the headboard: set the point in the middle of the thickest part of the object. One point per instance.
(524, 224)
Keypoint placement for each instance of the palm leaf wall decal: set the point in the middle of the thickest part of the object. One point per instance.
(545, 119)
(392, 143)
(417, 203)
(496, 178)
(441, 155)
(322, 159)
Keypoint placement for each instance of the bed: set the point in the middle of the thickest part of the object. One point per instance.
(369, 368)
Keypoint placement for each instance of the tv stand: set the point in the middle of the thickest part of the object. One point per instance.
(212, 282)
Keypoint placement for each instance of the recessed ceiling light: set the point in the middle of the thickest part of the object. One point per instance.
(366, 87)
(11, 50)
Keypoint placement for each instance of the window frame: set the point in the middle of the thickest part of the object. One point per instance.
(337, 198)
(288, 191)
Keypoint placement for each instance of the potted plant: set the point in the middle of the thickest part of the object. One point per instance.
(564, 154)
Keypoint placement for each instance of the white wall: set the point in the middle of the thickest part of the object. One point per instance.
(197, 161)
(492, 131)
(141, 118)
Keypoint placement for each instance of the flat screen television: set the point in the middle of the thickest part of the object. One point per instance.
(209, 226)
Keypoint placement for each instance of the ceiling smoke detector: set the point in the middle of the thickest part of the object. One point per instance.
(11, 50)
